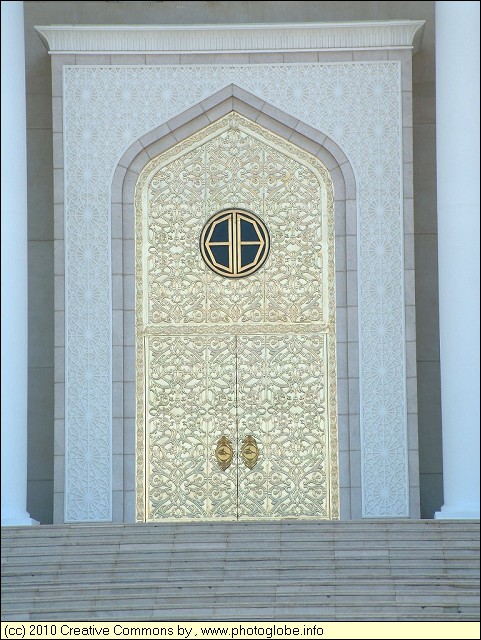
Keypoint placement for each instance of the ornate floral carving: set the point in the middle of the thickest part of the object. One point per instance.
(177, 295)
(246, 328)
(283, 403)
(105, 110)
(198, 178)
(191, 405)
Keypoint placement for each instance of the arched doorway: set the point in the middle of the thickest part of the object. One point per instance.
(236, 376)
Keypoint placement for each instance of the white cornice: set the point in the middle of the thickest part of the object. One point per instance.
(244, 38)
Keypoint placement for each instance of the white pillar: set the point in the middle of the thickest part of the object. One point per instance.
(457, 142)
(14, 269)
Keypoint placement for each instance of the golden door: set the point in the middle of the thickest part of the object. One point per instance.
(235, 330)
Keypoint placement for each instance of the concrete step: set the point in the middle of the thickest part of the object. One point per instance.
(208, 545)
(318, 529)
(289, 570)
(187, 554)
(206, 590)
(214, 594)
(254, 612)
(146, 570)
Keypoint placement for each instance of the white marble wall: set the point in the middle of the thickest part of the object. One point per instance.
(101, 107)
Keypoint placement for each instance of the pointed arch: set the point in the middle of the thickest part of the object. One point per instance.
(158, 140)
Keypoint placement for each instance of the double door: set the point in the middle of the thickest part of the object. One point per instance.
(235, 330)
(236, 426)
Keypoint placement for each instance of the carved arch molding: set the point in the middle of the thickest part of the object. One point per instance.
(105, 110)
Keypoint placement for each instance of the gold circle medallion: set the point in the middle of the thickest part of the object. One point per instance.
(234, 243)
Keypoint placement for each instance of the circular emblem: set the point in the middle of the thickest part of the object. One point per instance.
(234, 243)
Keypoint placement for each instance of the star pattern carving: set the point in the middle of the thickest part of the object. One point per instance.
(107, 108)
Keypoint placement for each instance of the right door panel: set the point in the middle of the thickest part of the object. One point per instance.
(282, 403)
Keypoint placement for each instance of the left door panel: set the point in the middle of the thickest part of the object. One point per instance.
(190, 390)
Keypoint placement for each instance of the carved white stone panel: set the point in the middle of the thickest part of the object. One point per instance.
(105, 110)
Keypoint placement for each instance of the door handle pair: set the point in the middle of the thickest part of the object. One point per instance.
(224, 452)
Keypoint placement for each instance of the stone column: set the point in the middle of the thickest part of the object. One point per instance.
(14, 269)
(457, 140)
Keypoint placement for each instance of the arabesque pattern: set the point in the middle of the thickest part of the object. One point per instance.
(191, 401)
(107, 108)
(236, 167)
(282, 402)
(274, 386)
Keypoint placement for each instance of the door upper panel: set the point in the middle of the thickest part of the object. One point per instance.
(235, 163)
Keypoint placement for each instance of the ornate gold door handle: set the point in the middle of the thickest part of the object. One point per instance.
(249, 452)
(224, 453)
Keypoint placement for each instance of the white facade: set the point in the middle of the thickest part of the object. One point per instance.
(363, 73)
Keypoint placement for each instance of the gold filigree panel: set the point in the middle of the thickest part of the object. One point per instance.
(250, 357)
(191, 404)
(235, 162)
(282, 396)
(237, 427)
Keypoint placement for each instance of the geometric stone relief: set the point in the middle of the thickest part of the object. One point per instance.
(107, 108)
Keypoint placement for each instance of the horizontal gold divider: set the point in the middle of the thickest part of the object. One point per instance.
(264, 328)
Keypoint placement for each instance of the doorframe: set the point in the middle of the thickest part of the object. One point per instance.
(123, 279)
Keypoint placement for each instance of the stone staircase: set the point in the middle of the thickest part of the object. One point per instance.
(290, 571)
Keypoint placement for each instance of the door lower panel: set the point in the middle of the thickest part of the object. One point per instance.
(270, 390)
(282, 401)
(190, 399)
